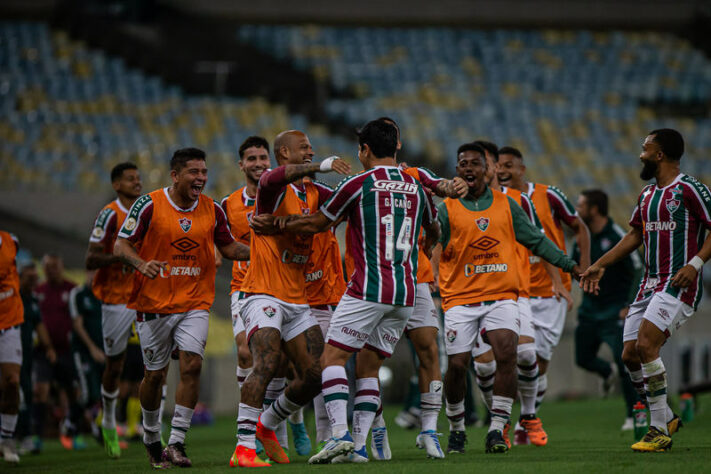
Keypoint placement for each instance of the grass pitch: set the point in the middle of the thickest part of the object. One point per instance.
(584, 437)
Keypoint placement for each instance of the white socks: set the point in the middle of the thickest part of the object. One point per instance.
(180, 424)
(431, 404)
(108, 420)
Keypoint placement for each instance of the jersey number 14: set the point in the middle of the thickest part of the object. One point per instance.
(403, 242)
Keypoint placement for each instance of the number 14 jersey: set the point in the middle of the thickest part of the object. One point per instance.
(385, 209)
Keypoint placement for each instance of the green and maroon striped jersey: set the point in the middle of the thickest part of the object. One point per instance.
(673, 220)
(386, 209)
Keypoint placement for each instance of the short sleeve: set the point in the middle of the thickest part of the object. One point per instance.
(138, 220)
(347, 193)
(223, 235)
(103, 226)
(561, 206)
(698, 199)
(636, 218)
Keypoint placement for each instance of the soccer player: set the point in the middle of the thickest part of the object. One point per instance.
(385, 209)
(53, 296)
(275, 308)
(550, 297)
(601, 316)
(479, 283)
(421, 329)
(11, 318)
(86, 312)
(671, 218)
(238, 206)
(325, 285)
(112, 285)
(170, 237)
(31, 418)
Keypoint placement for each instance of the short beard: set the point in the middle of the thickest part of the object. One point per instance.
(649, 170)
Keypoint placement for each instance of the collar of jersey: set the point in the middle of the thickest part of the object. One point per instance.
(123, 209)
(676, 180)
(178, 208)
(246, 199)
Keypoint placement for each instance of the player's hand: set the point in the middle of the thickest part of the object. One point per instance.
(403, 165)
(334, 163)
(624, 312)
(152, 268)
(434, 286)
(684, 277)
(576, 272)
(98, 355)
(560, 291)
(264, 224)
(51, 355)
(460, 188)
(590, 279)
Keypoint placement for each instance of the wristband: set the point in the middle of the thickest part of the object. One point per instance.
(696, 262)
(327, 164)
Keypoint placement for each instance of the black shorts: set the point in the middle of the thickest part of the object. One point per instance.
(133, 366)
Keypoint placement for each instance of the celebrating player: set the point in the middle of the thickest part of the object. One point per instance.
(385, 209)
(550, 297)
(275, 305)
(479, 283)
(11, 318)
(112, 285)
(670, 219)
(170, 237)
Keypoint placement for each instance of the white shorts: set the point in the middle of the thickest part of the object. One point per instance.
(358, 323)
(264, 311)
(424, 313)
(661, 309)
(116, 321)
(235, 306)
(548, 316)
(323, 317)
(524, 314)
(11, 346)
(186, 331)
(462, 324)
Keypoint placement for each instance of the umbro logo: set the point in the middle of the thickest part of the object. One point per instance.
(185, 244)
(485, 243)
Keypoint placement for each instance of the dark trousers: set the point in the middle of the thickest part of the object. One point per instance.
(589, 336)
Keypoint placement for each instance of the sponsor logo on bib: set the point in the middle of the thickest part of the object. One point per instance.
(185, 224)
(482, 223)
(485, 243)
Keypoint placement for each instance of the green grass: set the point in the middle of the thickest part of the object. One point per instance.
(584, 437)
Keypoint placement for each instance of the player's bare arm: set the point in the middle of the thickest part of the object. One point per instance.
(97, 258)
(124, 250)
(432, 234)
(435, 258)
(311, 224)
(687, 274)
(582, 237)
(559, 289)
(590, 279)
(96, 353)
(46, 342)
(235, 251)
(333, 163)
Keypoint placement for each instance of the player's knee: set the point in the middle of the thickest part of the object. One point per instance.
(629, 356)
(428, 356)
(312, 379)
(646, 349)
(458, 366)
(190, 366)
(11, 381)
(526, 357)
(153, 378)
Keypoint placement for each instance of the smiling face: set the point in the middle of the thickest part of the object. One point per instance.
(129, 184)
(254, 162)
(510, 170)
(190, 180)
(296, 150)
(472, 168)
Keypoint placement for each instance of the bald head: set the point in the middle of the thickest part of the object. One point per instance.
(292, 147)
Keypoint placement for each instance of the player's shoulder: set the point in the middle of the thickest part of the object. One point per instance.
(555, 190)
(320, 185)
(691, 184)
(234, 195)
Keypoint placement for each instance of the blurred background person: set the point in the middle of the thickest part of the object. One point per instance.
(601, 317)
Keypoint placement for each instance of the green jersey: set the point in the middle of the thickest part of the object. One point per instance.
(82, 302)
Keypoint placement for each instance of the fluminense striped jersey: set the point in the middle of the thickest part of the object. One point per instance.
(385, 209)
(673, 220)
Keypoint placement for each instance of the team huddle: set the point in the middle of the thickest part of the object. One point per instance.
(494, 249)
